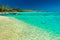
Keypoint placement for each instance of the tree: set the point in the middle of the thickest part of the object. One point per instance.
(1, 8)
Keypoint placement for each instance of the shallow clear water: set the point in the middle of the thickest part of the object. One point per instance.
(49, 21)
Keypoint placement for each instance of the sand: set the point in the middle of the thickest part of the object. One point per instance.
(12, 29)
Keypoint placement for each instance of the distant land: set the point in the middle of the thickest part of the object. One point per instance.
(9, 9)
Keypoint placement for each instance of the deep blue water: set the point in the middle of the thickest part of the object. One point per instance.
(46, 20)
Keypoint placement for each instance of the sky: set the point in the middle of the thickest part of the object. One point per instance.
(46, 5)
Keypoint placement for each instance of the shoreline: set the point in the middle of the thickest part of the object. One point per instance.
(11, 29)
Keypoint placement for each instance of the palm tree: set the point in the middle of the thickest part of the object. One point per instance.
(1, 8)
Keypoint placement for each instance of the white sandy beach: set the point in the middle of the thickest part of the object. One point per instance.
(12, 29)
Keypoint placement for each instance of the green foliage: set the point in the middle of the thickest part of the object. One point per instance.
(8, 9)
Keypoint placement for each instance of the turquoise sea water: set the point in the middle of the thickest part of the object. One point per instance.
(49, 21)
